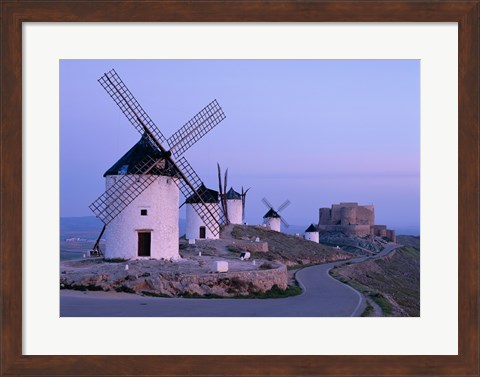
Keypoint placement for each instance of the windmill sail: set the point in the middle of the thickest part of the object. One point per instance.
(275, 213)
(125, 190)
(192, 185)
(125, 100)
(195, 128)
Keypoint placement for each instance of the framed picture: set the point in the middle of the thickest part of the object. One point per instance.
(47, 45)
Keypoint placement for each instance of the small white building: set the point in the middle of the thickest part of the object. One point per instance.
(312, 234)
(272, 220)
(234, 207)
(148, 226)
(195, 226)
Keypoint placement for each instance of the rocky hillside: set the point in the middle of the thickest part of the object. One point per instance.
(355, 244)
(284, 248)
(391, 284)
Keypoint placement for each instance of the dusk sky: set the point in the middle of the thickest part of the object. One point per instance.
(316, 132)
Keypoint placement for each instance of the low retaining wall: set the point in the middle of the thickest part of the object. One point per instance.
(257, 247)
(173, 284)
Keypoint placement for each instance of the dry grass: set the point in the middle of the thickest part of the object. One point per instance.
(393, 282)
(288, 249)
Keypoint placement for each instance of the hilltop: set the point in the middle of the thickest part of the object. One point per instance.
(283, 248)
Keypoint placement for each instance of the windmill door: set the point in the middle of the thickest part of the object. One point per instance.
(202, 232)
(144, 243)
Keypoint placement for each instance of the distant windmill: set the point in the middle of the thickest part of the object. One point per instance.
(272, 218)
(140, 205)
(232, 202)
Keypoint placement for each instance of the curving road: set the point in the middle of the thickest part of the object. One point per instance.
(323, 296)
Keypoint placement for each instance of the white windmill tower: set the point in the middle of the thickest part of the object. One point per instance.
(234, 207)
(272, 219)
(139, 209)
(312, 234)
(196, 228)
(148, 227)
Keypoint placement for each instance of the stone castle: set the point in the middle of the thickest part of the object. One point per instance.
(352, 219)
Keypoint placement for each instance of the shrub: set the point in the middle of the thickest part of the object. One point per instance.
(115, 260)
(266, 266)
(125, 289)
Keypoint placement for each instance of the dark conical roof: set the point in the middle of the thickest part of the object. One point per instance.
(207, 195)
(232, 194)
(128, 163)
(311, 228)
(271, 213)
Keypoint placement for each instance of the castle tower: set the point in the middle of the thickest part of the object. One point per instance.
(148, 227)
(312, 234)
(195, 226)
(234, 207)
(272, 220)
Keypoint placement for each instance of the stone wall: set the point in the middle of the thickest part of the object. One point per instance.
(351, 230)
(392, 235)
(226, 284)
(260, 247)
(347, 213)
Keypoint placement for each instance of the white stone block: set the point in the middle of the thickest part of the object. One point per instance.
(191, 241)
(245, 255)
(219, 266)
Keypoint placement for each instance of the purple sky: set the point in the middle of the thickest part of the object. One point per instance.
(314, 131)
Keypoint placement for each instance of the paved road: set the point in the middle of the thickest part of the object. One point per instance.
(323, 296)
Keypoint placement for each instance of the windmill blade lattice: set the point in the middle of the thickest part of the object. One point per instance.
(195, 128)
(125, 100)
(267, 203)
(198, 191)
(284, 205)
(125, 190)
(284, 222)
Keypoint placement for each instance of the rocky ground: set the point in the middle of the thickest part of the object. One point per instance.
(391, 284)
(192, 274)
(358, 245)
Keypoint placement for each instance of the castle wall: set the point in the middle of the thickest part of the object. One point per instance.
(353, 230)
(336, 215)
(365, 215)
(160, 200)
(392, 235)
(194, 222)
(234, 208)
(380, 230)
(325, 216)
(348, 216)
(347, 213)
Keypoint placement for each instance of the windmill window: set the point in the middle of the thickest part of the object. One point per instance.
(143, 212)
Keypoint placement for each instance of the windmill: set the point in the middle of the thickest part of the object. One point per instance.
(153, 159)
(272, 218)
(232, 202)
